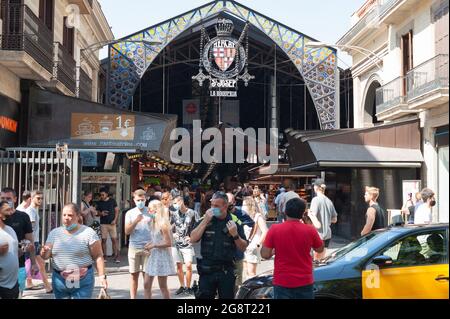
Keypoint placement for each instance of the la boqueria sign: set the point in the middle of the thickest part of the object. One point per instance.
(57, 119)
(9, 122)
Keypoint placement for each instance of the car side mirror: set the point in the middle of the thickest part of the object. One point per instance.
(382, 261)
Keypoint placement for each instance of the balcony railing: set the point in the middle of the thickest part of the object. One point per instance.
(369, 20)
(23, 31)
(428, 76)
(65, 68)
(85, 86)
(390, 95)
(386, 5)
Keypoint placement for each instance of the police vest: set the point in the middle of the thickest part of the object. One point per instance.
(217, 245)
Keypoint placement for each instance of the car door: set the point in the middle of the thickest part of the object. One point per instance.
(415, 267)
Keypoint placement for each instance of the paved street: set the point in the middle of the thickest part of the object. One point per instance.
(118, 280)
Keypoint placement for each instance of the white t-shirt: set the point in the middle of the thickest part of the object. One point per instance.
(141, 235)
(9, 263)
(21, 208)
(423, 215)
(34, 218)
(72, 250)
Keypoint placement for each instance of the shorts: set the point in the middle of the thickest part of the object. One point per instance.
(183, 255)
(109, 229)
(22, 278)
(137, 259)
(253, 255)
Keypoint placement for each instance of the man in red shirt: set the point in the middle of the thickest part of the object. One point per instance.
(291, 243)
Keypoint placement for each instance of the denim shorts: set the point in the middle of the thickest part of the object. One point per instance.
(73, 290)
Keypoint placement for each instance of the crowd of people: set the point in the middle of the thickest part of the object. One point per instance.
(225, 234)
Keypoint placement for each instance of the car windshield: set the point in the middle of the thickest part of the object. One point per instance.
(351, 250)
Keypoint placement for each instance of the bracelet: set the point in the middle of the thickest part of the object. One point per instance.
(102, 277)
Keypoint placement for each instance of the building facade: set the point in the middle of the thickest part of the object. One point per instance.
(400, 71)
(49, 43)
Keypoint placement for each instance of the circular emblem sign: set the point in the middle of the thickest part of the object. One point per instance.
(228, 57)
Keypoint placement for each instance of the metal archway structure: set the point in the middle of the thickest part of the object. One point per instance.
(318, 67)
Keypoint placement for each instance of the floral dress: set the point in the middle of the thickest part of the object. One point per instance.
(160, 261)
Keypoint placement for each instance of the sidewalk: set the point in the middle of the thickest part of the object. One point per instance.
(119, 278)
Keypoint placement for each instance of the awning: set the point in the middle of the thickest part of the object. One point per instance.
(58, 119)
(395, 145)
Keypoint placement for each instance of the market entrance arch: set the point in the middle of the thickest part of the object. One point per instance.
(130, 58)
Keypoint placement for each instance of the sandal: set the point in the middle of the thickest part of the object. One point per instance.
(35, 287)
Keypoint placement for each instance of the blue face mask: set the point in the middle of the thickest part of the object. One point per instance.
(216, 212)
(176, 206)
(140, 205)
(71, 227)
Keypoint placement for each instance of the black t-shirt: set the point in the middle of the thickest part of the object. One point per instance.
(20, 222)
(380, 220)
(108, 206)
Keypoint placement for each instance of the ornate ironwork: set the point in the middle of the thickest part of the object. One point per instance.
(318, 67)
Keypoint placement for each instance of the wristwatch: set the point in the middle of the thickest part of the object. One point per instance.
(103, 277)
(236, 237)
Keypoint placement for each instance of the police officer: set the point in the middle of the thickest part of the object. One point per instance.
(220, 237)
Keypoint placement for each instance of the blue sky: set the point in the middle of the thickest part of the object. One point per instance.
(324, 20)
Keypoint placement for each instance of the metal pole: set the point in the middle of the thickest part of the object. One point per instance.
(46, 210)
(57, 189)
(274, 119)
(337, 110)
(26, 174)
(14, 169)
(39, 170)
(305, 113)
(76, 177)
(7, 169)
(164, 81)
(51, 190)
(20, 172)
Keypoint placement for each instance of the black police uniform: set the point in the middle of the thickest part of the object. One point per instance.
(216, 267)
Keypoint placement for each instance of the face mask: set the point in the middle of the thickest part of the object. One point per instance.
(176, 206)
(140, 205)
(11, 204)
(432, 203)
(216, 212)
(71, 227)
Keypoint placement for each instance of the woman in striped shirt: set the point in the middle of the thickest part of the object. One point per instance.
(74, 248)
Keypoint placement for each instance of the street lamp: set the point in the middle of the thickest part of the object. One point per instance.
(367, 53)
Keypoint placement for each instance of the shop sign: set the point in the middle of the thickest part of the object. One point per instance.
(224, 58)
(83, 124)
(9, 125)
(88, 159)
(88, 179)
(90, 126)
